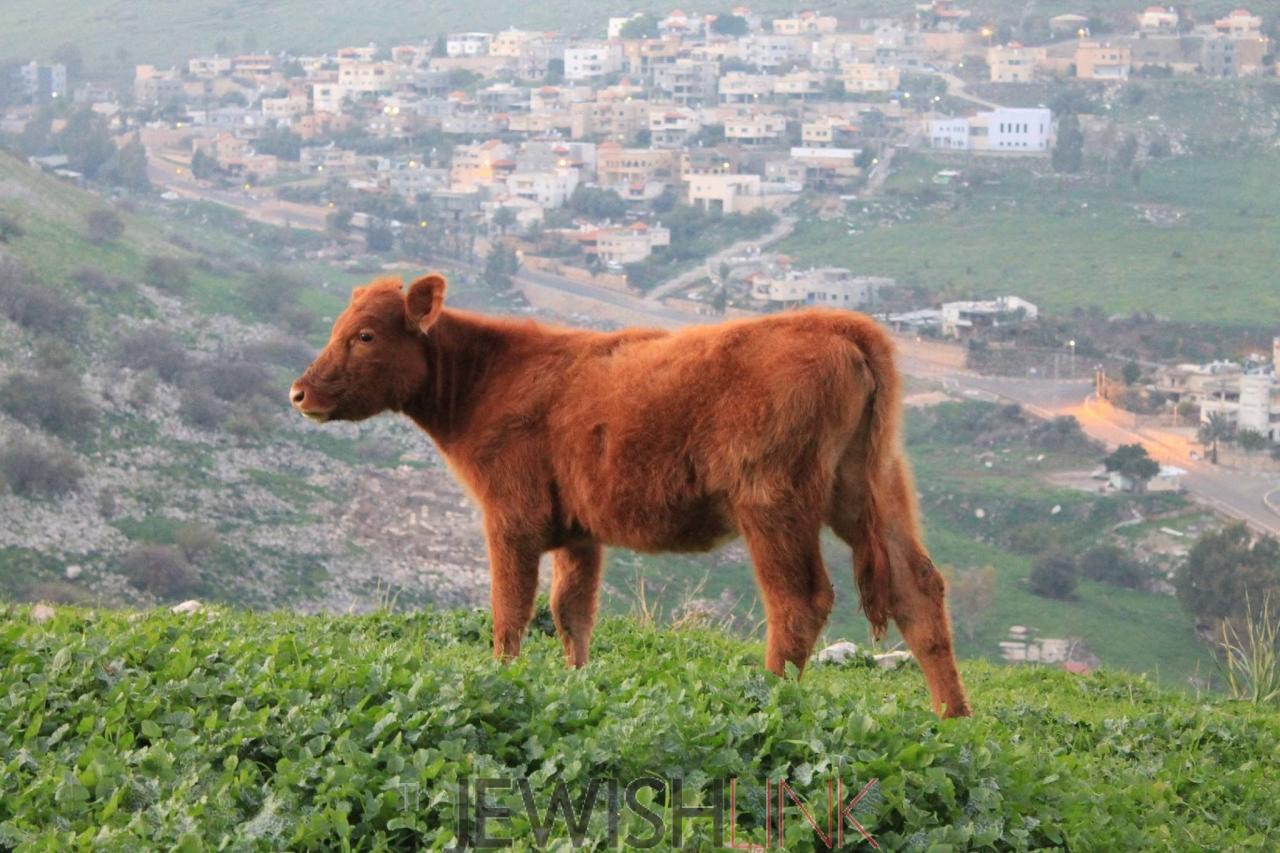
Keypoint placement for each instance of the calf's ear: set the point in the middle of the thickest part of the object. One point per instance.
(424, 302)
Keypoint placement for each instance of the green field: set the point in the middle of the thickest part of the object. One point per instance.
(1064, 245)
(232, 730)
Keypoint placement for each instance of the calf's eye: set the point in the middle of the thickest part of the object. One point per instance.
(366, 337)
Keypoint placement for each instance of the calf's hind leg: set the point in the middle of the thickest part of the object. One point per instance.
(575, 585)
(916, 592)
(793, 582)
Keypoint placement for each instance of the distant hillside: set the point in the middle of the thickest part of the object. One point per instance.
(149, 452)
(268, 732)
(170, 32)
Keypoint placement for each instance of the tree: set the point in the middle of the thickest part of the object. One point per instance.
(1222, 567)
(378, 236)
(204, 166)
(1132, 462)
(1252, 441)
(86, 142)
(1054, 576)
(339, 221)
(972, 593)
(1068, 152)
(1131, 373)
(730, 25)
(643, 26)
(128, 167)
(504, 218)
(103, 225)
(281, 142)
(1213, 430)
(1111, 564)
(440, 47)
(500, 266)
(595, 203)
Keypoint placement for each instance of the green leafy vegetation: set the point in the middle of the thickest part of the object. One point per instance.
(277, 731)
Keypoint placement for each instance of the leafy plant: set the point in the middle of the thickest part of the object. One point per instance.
(276, 731)
(1251, 664)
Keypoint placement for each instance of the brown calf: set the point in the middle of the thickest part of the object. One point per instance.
(573, 439)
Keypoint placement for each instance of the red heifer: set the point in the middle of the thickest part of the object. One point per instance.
(573, 439)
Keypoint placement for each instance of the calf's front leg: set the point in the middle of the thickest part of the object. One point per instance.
(575, 587)
(513, 575)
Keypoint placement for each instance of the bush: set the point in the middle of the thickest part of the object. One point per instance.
(272, 290)
(201, 409)
(10, 228)
(95, 280)
(32, 470)
(104, 226)
(1111, 564)
(50, 401)
(291, 353)
(167, 274)
(1054, 576)
(1036, 537)
(1061, 433)
(234, 380)
(34, 306)
(251, 418)
(197, 541)
(152, 348)
(161, 570)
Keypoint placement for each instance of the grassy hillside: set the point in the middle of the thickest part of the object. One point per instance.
(170, 32)
(226, 729)
(1067, 245)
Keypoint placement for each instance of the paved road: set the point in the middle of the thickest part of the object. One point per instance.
(781, 229)
(957, 88)
(1238, 494)
(258, 205)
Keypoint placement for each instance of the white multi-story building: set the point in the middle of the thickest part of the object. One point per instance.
(772, 52)
(1249, 398)
(1007, 129)
(550, 189)
(467, 44)
(592, 61)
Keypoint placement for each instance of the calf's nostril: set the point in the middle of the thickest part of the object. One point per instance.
(298, 395)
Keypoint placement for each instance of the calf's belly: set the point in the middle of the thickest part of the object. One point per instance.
(694, 526)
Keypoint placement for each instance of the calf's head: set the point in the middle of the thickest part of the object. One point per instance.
(374, 361)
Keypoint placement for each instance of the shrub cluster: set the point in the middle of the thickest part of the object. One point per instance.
(33, 470)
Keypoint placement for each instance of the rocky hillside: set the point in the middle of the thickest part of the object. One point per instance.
(146, 448)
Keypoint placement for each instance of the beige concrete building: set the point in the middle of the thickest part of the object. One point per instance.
(1014, 63)
(865, 77)
(1103, 61)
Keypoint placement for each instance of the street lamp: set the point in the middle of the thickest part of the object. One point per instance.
(1072, 343)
